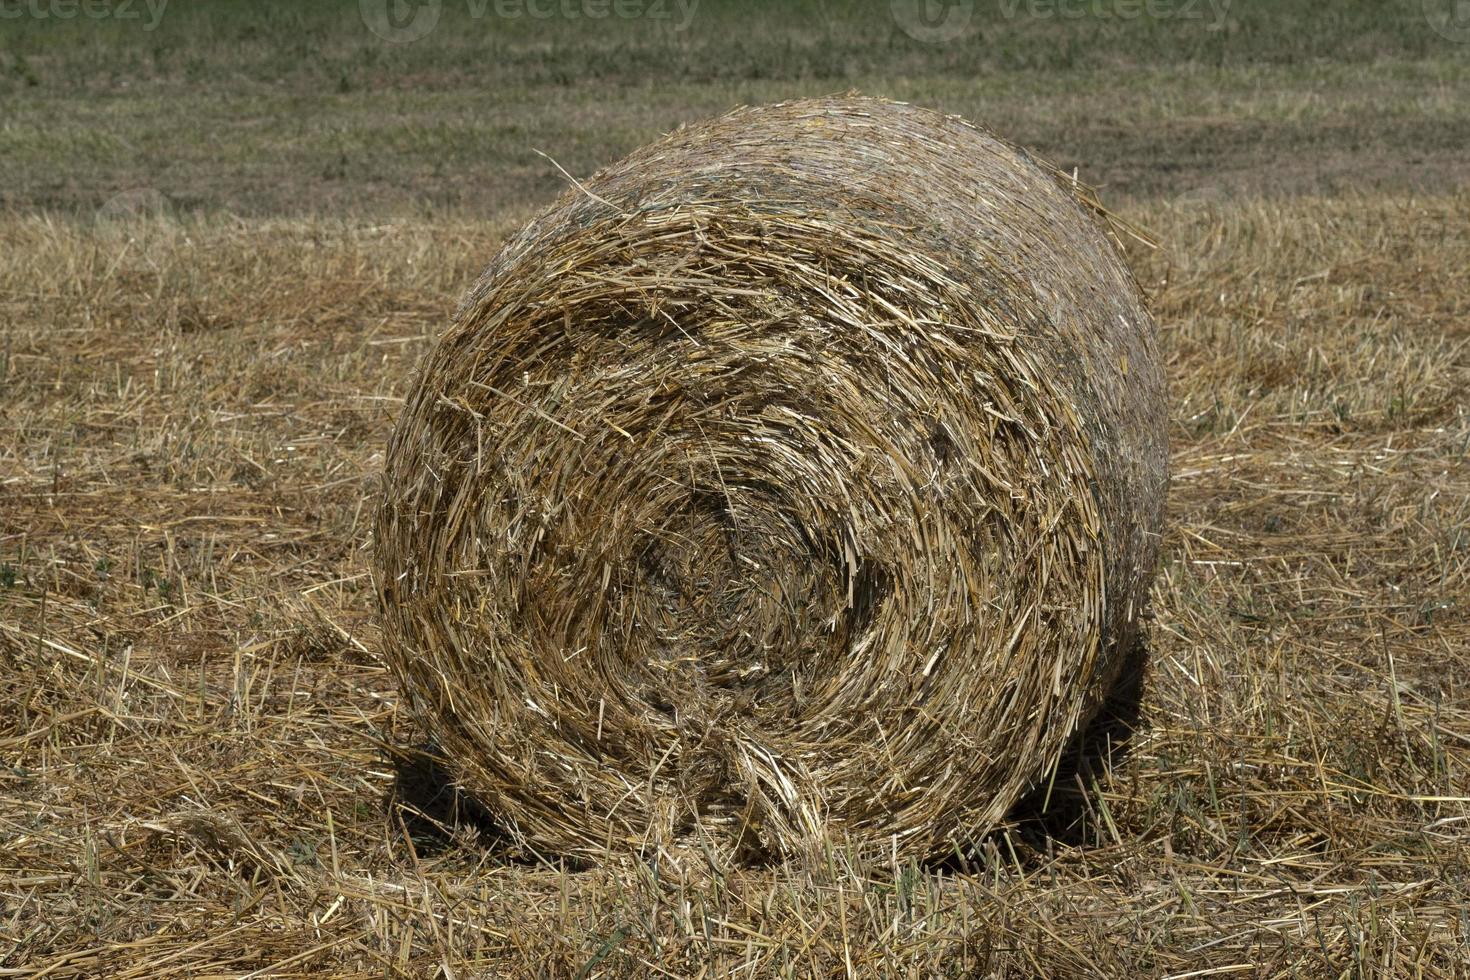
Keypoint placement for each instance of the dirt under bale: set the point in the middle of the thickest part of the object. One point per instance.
(796, 480)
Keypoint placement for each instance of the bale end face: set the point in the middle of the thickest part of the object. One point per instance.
(799, 476)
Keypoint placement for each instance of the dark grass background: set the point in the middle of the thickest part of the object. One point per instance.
(277, 108)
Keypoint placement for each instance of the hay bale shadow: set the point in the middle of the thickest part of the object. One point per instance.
(434, 812)
(1063, 812)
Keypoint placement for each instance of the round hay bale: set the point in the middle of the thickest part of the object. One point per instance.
(797, 478)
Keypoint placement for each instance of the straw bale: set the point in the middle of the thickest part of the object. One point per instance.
(796, 479)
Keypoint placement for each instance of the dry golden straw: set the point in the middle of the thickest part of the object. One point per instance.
(798, 478)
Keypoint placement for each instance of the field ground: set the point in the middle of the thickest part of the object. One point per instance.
(204, 771)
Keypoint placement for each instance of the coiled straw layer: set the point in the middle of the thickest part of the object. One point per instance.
(797, 478)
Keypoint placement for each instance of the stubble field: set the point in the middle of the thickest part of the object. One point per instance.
(205, 770)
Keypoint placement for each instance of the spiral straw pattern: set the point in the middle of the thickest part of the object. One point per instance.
(797, 478)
